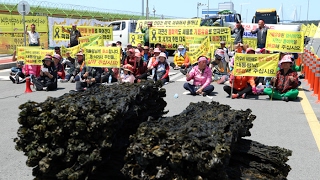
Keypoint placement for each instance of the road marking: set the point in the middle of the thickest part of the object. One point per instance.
(311, 118)
(175, 76)
(5, 70)
(4, 78)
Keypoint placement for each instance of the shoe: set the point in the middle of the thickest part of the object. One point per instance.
(183, 71)
(23, 80)
(45, 88)
(12, 73)
(17, 79)
(12, 79)
(204, 94)
(244, 96)
(235, 96)
(72, 81)
(301, 76)
(64, 80)
(286, 99)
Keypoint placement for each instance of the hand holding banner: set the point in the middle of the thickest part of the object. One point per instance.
(102, 56)
(285, 41)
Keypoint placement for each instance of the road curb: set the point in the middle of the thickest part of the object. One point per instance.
(7, 65)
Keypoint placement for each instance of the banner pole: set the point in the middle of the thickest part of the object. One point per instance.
(274, 83)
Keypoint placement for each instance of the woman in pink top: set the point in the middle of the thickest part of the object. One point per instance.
(127, 75)
(202, 77)
(31, 70)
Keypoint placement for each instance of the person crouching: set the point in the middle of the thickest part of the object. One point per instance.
(90, 76)
(48, 76)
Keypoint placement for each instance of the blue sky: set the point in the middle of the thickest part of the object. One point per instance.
(188, 8)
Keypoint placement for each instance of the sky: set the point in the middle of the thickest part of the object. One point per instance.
(188, 8)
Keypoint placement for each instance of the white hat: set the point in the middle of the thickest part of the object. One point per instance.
(286, 58)
(180, 47)
(157, 50)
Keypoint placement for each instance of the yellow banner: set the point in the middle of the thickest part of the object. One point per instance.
(197, 50)
(14, 23)
(285, 41)
(135, 39)
(107, 33)
(168, 23)
(264, 65)
(93, 40)
(317, 34)
(176, 36)
(102, 56)
(190, 39)
(21, 51)
(303, 28)
(35, 56)
(73, 50)
(308, 29)
(10, 41)
(313, 30)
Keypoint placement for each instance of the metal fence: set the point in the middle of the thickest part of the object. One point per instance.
(44, 8)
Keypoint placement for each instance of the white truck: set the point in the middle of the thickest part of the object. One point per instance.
(121, 30)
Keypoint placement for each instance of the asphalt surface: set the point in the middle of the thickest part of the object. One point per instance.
(278, 123)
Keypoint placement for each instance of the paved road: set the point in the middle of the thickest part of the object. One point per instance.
(278, 123)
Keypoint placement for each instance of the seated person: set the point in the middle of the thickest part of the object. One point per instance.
(219, 66)
(286, 82)
(17, 71)
(70, 63)
(202, 76)
(240, 86)
(113, 72)
(127, 75)
(141, 70)
(180, 59)
(90, 76)
(161, 69)
(59, 68)
(48, 76)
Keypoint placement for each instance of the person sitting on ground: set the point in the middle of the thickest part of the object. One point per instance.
(180, 59)
(220, 67)
(202, 77)
(130, 57)
(127, 75)
(242, 86)
(70, 63)
(154, 58)
(140, 69)
(161, 69)
(286, 82)
(80, 63)
(59, 68)
(17, 72)
(146, 54)
(48, 76)
(163, 49)
(113, 72)
(90, 76)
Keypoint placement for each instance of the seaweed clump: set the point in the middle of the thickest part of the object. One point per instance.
(203, 142)
(78, 135)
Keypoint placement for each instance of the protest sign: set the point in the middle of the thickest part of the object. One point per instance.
(285, 41)
(168, 23)
(102, 56)
(264, 65)
(73, 50)
(35, 56)
(21, 51)
(135, 39)
(197, 50)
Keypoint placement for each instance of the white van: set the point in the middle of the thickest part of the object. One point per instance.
(121, 30)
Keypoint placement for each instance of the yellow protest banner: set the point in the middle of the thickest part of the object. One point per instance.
(35, 56)
(303, 28)
(93, 40)
(264, 65)
(10, 41)
(174, 36)
(135, 39)
(21, 51)
(317, 34)
(106, 32)
(285, 41)
(73, 50)
(191, 39)
(14, 23)
(102, 56)
(308, 29)
(197, 50)
(313, 30)
(168, 23)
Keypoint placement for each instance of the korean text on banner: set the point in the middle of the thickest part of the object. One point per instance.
(313, 30)
(73, 50)
(285, 41)
(308, 29)
(14, 23)
(168, 23)
(191, 39)
(35, 56)
(317, 34)
(102, 56)
(264, 65)
(21, 51)
(135, 39)
(93, 40)
(107, 33)
(197, 50)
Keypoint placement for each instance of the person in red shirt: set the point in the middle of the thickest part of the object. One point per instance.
(130, 58)
(140, 68)
(240, 86)
(161, 69)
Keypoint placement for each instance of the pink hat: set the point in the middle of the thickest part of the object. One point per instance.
(250, 49)
(220, 52)
(131, 50)
(286, 58)
(202, 58)
(57, 56)
(150, 23)
(264, 49)
(163, 55)
(137, 54)
(157, 50)
(80, 54)
(74, 25)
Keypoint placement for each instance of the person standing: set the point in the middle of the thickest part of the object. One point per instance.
(34, 37)
(74, 35)
(261, 32)
(238, 30)
(146, 33)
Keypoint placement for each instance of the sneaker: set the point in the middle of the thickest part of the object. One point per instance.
(244, 96)
(234, 96)
(72, 81)
(23, 80)
(12, 74)
(301, 76)
(64, 80)
(183, 71)
(12, 79)
(204, 94)
(17, 79)
(45, 88)
(286, 99)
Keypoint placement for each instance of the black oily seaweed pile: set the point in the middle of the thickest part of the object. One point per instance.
(203, 142)
(85, 135)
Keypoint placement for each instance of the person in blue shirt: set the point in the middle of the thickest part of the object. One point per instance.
(163, 49)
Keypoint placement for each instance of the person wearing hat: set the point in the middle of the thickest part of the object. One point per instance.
(70, 63)
(238, 31)
(59, 68)
(219, 66)
(90, 76)
(79, 64)
(153, 59)
(140, 68)
(180, 59)
(286, 82)
(74, 35)
(146, 33)
(127, 75)
(161, 69)
(130, 57)
(146, 54)
(202, 77)
(48, 76)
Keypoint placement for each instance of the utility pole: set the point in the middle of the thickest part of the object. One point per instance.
(208, 9)
(142, 8)
(308, 12)
(300, 14)
(147, 10)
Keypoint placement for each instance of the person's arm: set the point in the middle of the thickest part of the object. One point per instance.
(232, 31)
(255, 31)
(38, 38)
(14, 55)
(191, 74)
(186, 61)
(26, 31)
(154, 64)
(208, 74)
(167, 72)
(251, 82)
(65, 30)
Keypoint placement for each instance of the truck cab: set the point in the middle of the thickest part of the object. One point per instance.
(269, 16)
(121, 30)
(221, 19)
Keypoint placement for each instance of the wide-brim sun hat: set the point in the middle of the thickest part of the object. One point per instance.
(128, 67)
(156, 50)
(180, 47)
(249, 49)
(163, 55)
(286, 58)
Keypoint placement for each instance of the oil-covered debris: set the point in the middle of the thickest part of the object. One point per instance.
(203, 142)
(79, 135)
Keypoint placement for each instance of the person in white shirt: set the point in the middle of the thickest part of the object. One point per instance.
(34, 37)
